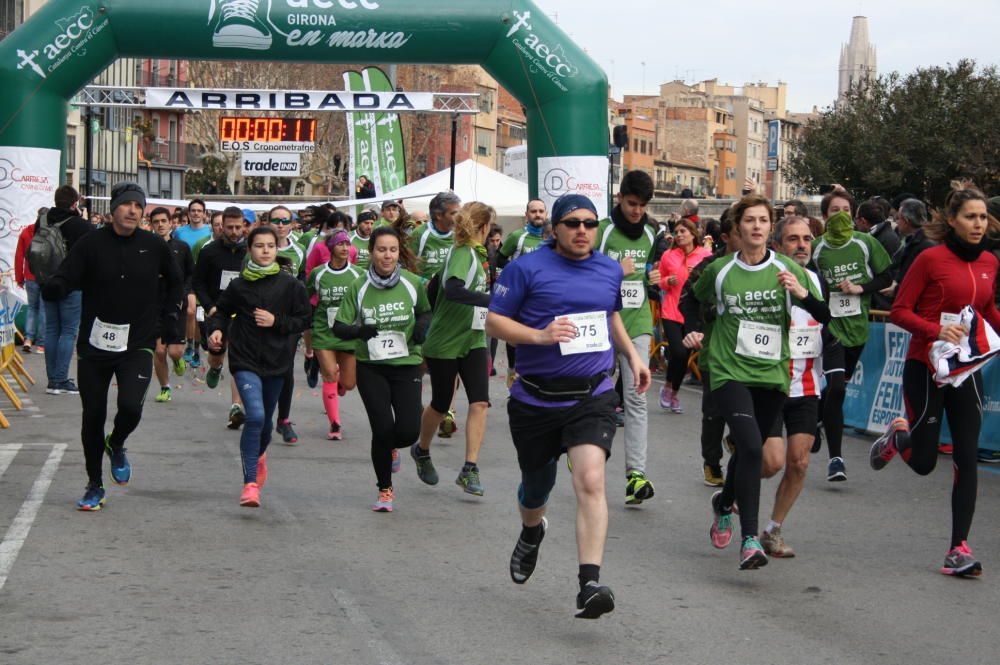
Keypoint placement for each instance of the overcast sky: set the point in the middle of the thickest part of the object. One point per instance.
(739, 41)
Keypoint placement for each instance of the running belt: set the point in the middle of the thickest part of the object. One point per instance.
(954, 363)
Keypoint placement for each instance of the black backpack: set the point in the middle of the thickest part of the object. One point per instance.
(47, 250)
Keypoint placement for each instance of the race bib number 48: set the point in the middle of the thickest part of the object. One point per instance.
(759, 340)
(109, 336)
(591, 334)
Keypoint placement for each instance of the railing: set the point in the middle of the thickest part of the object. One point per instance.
(171, 152)
(10, 361)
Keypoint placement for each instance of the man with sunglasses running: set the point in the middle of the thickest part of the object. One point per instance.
(564, 399)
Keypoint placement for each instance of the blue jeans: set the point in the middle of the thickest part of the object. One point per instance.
(34, 325)
(62, 323)
(260, 398)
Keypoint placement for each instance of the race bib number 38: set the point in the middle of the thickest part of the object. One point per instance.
(633, 294)
(843, 305)
(591, 334)
(759, 340)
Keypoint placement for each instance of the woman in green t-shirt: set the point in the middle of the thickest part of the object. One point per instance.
(456, 345)
(751, 293)
(328, 283)
(387, 312)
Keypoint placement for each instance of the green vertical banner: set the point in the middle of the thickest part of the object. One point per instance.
(361, 136)
(389, 148)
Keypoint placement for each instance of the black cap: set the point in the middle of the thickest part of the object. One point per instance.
(127, 191)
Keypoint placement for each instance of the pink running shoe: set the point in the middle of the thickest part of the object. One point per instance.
(250, 498)
(335, 433)
(384, 502)
(721, 532)
(884, 448)
(675, 404)
(959, 562)
(262, 470)
(666, 397)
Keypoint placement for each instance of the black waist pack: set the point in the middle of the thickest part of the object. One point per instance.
(562, 389)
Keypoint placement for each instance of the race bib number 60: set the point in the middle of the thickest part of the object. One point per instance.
(759, 340)
(591, 334)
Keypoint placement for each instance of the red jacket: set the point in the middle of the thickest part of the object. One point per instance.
(22, 271)
(940, 282)
(675, 263)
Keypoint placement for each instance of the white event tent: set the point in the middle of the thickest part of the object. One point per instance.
(473, 182)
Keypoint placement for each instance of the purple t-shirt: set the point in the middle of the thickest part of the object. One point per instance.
(544, 285)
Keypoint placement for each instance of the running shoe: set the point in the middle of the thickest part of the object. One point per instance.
(180, 366)
(39, 348)
(425, 467)
(164, 395)
(335, 433)
(775, 545)
(53, 389)
(93, 498)
(817, 440)
(236, 417)
(26, 347)
(638, 488)
(288, 435)
(594, 600)
(884, 448)
(836, 472)
(312, 371)
(195, 361)
(945, 449)
(666, 397)
(69, 388)
(987, 456)
(250, 497)
(721, 532)
(619, 417)
(384, 502)
(752, 555)
(212, 377)
(121, 469)
(713, 475)
(261, 470)
(396, 461)
(468, 480)
(188, 354)
(960, 562)
(525, 556)
(447, 426)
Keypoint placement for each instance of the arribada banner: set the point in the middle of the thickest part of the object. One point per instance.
(199, 99)
(28, 181)
(875, 393)
(574, 175)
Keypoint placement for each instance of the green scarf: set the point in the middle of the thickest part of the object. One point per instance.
(481, 251)
(252, 272)
(839, 229)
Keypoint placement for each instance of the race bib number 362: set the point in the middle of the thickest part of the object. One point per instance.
(633, 294)
(591, 334)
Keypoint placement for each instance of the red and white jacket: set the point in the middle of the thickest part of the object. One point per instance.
(806, 373)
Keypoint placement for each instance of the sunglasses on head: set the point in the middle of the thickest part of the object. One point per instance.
(575, 223)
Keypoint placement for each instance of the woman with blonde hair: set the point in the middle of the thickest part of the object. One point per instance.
(456, 344)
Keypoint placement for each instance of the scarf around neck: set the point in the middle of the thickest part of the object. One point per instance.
(380, 282)
(630, 230)
(252, 272)
(962, 249)
(839, 230)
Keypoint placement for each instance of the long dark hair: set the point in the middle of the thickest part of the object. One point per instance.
(406, 256)
(961, 193)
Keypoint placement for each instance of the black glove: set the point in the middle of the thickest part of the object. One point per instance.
(366, 332)
(420, 328)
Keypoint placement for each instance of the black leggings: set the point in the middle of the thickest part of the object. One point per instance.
(132, 370)
(831, 408)
(391, 395)
(673, 334)
(925, 405)
(749, 412)
(713, 425)
(285, 399)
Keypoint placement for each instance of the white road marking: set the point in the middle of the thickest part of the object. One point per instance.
(7, 453)
(19, 528)
(382, 651)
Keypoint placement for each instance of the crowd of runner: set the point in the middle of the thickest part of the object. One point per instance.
(775, 305)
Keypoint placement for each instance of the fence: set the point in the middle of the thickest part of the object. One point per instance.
(10, 361)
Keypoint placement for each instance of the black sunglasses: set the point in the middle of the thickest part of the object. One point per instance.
(575, 223)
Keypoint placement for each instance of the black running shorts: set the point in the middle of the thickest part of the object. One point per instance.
(541, 434)
(800, 415)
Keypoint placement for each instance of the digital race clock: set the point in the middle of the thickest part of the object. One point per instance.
(268, 130)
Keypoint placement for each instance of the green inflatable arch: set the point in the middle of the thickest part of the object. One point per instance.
(65, 44)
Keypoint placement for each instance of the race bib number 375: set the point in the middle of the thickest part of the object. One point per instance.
(591, 334)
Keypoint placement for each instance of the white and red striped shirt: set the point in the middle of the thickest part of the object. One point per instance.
(806, 373)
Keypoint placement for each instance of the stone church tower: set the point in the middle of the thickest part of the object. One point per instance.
(857, 58)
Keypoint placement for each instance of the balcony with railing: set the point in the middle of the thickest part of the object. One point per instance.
(170, 153)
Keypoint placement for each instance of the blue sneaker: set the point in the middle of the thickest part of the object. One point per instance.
(188, 354)
(835, 470)
(195, 361)
(93, 498)
(121, 469)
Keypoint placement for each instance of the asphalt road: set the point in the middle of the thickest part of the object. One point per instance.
(174, 571)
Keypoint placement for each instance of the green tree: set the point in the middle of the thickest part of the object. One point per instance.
(211, 179)
(913, 133)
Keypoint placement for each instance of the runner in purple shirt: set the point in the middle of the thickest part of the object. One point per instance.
(560, 306)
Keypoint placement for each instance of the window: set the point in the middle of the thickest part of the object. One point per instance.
(635, 145)
(440, 163)
(485, 100)
(71, 152)
(730, 173)
(518, 132)
(11, 16)
(484, 142)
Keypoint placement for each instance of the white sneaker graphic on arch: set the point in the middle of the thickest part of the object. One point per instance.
(240, 24)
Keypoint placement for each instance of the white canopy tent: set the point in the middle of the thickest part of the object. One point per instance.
(473, 182)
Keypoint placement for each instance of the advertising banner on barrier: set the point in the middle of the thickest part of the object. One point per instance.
(875, 393)
(28, 181)
(574, 175)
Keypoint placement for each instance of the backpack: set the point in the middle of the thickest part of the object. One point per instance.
(47, 250)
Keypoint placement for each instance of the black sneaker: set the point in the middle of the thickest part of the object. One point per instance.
(312, 371)
(594, 600)
(69, 388)
(525, 556)
(817, 441)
